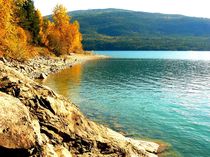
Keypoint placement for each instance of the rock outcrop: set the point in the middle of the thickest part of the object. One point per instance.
(40, 67)
(35, 121)
(16, 129)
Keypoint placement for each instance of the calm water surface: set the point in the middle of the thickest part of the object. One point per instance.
(156, 95)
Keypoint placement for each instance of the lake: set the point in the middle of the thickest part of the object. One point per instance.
(160, 95)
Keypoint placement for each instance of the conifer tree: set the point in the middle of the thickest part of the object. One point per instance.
(29, 20)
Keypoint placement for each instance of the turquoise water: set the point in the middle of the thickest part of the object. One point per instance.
(155, 95)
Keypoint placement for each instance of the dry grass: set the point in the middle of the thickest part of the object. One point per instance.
(43, 51)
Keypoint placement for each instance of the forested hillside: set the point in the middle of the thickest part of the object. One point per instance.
(114, 29)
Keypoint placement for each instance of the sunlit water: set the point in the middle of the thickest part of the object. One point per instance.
(155, 95)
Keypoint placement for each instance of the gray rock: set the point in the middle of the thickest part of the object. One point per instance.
(22, 67)
(16, 129)
(42, 76)
(3, 59)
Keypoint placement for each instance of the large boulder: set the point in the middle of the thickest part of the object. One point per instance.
(16, 130)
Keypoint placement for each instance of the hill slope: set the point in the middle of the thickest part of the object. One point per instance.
(115, 29)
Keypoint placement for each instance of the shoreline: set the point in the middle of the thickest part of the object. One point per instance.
(41, 67)
(44, 67)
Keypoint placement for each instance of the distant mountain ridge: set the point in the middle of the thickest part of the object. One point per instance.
(116, 29)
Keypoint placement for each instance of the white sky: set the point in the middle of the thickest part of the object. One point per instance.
(197, 8)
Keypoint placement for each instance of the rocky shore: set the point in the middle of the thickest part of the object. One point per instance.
(40, 67)
(35, 121)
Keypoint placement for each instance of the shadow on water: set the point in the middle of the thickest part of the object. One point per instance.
(63, 81)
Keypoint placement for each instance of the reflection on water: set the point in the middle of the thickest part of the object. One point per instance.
(161, 99)
(65, 80)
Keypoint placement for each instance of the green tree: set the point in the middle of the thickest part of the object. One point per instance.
(29, 20)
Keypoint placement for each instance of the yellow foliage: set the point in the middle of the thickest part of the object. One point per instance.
(60, 16)
(5, 14)
(5, 23)
(42, 35)
(17, 46)
(77, 36)
(63, 37)
(54, 41)
(60, 36)
(13, 41)
(21, 35)
(46, 28)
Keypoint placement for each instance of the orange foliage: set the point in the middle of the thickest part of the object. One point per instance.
(60, 16)
(54, 40)
(21, 35)
(1, 53)
(77, 36)
(5, 14)
(13, 41)
(60, 36)
(5, 22)
(63, 37)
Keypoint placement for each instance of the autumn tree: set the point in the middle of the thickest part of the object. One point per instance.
(6, 19)
(41, 34)
(77, 36)
(8, 30)
(5, 22)
(63, 36)
(22, 26)
(13, 41)
(60, 16)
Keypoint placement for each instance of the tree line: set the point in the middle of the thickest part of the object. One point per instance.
(23, 28)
